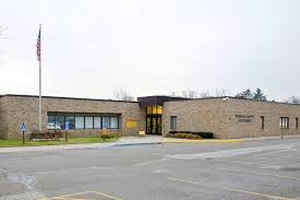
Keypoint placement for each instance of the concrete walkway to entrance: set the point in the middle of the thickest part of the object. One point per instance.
(131, 140)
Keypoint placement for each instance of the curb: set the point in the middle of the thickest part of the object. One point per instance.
(135, 144)
(204, 141)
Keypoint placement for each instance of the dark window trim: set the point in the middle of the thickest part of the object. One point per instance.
(173, 119)
(262, 118)
(84, 115)
(297, 122)
(288, 122)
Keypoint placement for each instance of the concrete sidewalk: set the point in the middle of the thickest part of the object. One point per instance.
(121, 142)
(126, 141)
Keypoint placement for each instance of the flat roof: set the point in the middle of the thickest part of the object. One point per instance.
(69, 98)
(239, 98)
(148, 100)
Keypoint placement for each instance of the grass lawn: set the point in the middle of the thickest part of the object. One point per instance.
(75, 140)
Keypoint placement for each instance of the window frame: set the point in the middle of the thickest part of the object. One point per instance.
(262, 120)
(64, 115)
(85, 122)
(284, 123)
(173, 123)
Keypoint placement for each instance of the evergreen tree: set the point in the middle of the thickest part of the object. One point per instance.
(246, 94)
(259, 95)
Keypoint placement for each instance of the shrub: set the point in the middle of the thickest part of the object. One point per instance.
(187, 134)
(206, 134)
(184, 135)
(109, 135)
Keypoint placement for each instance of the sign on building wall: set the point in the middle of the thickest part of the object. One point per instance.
(244, 118)
(131, 123)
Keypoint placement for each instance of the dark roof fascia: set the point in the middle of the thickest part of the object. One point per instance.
(157, 100)
(239, 98)
(69, 98)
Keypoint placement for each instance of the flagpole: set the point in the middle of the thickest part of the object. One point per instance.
(40, 88)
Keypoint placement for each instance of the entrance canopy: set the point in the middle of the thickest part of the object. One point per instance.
(157, 100)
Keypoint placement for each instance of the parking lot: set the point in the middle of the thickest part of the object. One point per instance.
(265, 169)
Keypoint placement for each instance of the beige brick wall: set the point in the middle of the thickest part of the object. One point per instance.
(20, 108)
(3, 118)
(196, 115)
(271, 112)
(213, 115)
(222, 117)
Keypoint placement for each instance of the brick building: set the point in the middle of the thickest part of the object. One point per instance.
(226, 117)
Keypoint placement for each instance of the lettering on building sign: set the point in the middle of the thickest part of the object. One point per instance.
(244, 118)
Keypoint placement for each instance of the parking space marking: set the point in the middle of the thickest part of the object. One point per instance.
(141, 164)
(232, 189)
(260, 174)
(72, 196)
(106, 195)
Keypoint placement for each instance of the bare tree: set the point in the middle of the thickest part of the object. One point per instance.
(293, 100)
(122, 94)
(173, 94)
(222, 92)
(204, 94)
(190, 93)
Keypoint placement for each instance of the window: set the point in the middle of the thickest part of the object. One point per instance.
(83, 121)
(97, 122)
(60, 122)
(70, 120)
(149, 110)
(154, 109)
(297, 122)
(173, 123)
(114, 123)
(51, 122)
(79, 122)
(89, 122)
(105, 122)
(159, 110)
(284, 122)
(262, 118)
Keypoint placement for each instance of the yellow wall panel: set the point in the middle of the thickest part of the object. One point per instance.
(131, 124)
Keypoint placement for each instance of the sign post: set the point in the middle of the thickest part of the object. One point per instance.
(23, 130)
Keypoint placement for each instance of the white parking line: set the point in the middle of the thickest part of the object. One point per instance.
(233, 189)
(232, 152)
(150, 162)
(260, 174)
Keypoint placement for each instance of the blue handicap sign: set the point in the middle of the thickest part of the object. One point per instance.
(67, 127)
(23, 127)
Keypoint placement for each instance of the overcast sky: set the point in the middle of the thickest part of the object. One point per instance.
(91, 48)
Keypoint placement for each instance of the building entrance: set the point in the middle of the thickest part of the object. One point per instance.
(153, 120)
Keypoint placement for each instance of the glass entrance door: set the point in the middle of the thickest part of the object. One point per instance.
(153, 120)
(153, 125)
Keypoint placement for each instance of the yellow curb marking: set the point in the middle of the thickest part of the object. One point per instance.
(234, 190)
(106, 195)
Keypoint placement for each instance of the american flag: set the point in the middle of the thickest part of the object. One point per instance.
(38, 45)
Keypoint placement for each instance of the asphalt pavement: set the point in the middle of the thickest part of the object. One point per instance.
(262, 169)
